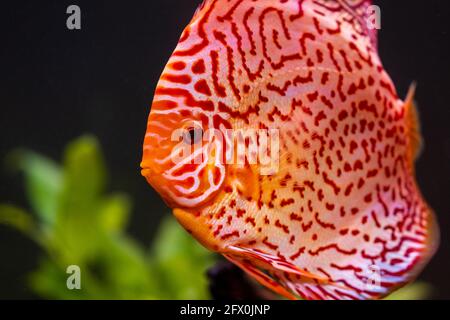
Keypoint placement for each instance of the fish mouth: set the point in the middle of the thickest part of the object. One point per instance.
(157, 183)
(150, 176)
(145, 172)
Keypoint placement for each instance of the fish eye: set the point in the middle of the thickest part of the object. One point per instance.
(193, 135)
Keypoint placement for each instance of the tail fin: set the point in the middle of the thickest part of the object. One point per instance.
(413, 125)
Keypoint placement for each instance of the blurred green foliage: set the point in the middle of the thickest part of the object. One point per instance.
(76, 222)
(414, 291)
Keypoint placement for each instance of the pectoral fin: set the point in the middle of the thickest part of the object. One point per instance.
(262, 278)
(284, 278)
(272, 263)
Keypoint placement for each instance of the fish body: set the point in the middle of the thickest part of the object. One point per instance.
(339, 215)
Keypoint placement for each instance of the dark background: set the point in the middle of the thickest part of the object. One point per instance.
(57, 84)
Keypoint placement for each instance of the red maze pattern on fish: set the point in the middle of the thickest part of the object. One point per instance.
(345, 199)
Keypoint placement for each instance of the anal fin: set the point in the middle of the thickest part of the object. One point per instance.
(262, 278)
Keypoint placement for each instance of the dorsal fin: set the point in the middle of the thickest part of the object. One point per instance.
(367, 15)
(413, 125)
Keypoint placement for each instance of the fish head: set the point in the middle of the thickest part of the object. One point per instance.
(182, 152)
(180, 160)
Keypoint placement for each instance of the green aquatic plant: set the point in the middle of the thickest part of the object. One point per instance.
(76, 222)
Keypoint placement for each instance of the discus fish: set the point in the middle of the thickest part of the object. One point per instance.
(339, 214)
